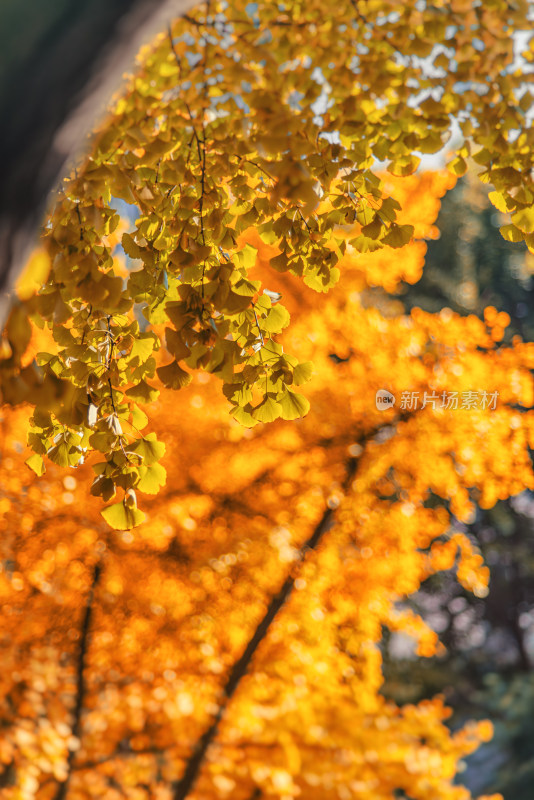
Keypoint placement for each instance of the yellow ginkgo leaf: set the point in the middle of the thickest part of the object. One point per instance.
(121, 517)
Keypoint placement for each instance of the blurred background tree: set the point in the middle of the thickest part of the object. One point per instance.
(488, 666)
(470, 266)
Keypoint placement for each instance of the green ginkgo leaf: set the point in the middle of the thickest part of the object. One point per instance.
(142, 347)
(130, 246)
(142, 392)
(365, 245)
(302, 373)
(175, 344)
(243, 417)
(458, 166)
(277, 318)
(239, 393)
(103, 487)
(501, 201)
(404, 165)
(373, 229)
(267, 411)
(64, 455)
(524, 219)
(149, 449)
(293, 405)
(173, 376)
(151, 478)
(398, 235)
(36, 463)
(37, 444)
(511, 233)
(280, 262)
(102, 441)
(246, 257)
(139, 418)
(246, 288)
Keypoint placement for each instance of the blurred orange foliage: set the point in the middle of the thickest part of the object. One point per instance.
(119, 648)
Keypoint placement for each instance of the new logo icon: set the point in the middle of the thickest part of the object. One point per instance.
(384, 400)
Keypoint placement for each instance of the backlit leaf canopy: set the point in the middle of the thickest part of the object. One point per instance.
(119, 648)
(263, 116)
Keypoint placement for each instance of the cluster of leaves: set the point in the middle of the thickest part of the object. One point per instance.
(231, 647)
(263, 115)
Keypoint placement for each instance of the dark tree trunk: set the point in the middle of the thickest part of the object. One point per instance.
(61, 61)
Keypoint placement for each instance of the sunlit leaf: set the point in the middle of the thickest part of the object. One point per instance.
(173, 376)
(121, 517)
(151, 478)
(36, 463)
(149, 449)
(293, 405)
(277, 318)
(267, 411)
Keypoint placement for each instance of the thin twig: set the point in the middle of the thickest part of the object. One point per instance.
(205, 102)
(179, 65)
(303, 219)
(258, 327)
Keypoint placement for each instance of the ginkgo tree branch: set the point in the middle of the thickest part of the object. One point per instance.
(81, 685)
(184, 786)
